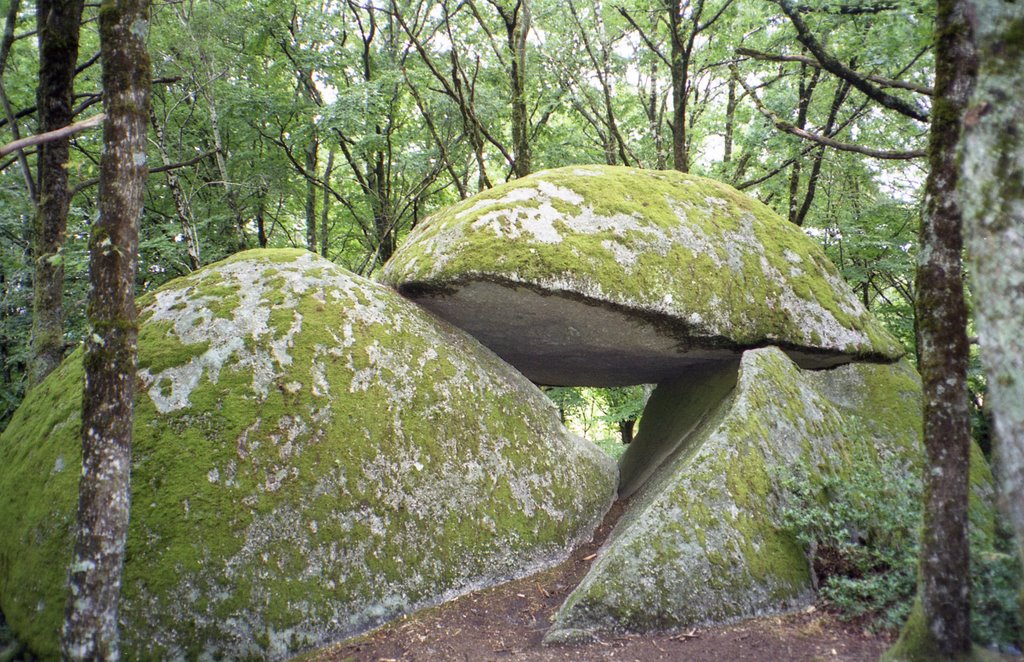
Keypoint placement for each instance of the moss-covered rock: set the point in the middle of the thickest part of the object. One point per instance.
(603, 275)
(704, 540)
(313, 455)
(675, 410)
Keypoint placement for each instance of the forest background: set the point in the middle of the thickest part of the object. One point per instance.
(339, 126)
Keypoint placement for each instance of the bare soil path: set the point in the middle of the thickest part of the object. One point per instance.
(508, 622)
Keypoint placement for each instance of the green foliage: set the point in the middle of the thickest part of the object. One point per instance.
(595, 413)
(624, 403)
(866, 565)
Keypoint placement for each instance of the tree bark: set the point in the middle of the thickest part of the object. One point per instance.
(90, 628)
(58, 23)
(730, 119)
(326, 210)
(940, 628)
(181, 203)
(992, 185)
(679, 60)
(9, 115)
(626, 428)
(806, 91)
(517, 24)
(311, 154)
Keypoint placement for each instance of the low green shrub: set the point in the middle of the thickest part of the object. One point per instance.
(859, 528)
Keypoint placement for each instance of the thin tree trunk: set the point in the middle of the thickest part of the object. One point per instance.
(325, 212)
(310, 165)
(730, 120)
(222, 166)
(58, 22)
(517, 24)
(181, 205)
(5, 50)
(941, 627)
(261, 229)
(90, 627)
(993, 200)
(842, 90)
(804, 101)
(680, 71)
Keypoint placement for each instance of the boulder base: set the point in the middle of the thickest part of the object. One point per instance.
(313, 455)
(703, 541)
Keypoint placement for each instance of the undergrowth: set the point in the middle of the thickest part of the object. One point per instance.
(860, 532)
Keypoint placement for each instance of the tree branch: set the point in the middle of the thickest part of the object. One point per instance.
(834, 66)
(49, 136)
(81, 186)
(643, 35)
(787, 127)
(881, 80)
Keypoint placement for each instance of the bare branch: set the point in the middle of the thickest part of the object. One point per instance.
(643, 35)
(49, 136)
(834, 66)
(81, 186)
(787, 127)
(881, 80)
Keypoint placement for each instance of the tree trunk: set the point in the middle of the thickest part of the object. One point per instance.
(806, 88)
(181, 203)
(326, 210)
(679, 69)
(517, 25)
(90, 628)
(310, 165)
(626, 430)
(261, 229)
(58, 22)
(993, 199)
(730, 120)
(940, 626)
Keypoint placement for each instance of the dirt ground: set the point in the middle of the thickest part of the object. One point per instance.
(508, 622)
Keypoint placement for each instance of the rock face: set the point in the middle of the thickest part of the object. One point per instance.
(313, 455)
(703, 541)
(606, 276)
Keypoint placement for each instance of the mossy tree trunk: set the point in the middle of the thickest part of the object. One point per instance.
(90, 628)
(992, 187)
(58, 23)
(940, 625)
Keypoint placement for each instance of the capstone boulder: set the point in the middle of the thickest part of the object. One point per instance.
(603, 276)
(313, 455)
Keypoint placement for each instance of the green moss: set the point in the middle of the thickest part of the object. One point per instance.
(159, 348)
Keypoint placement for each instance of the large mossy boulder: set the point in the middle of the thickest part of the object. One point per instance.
(704, 540)
(603, 276)
(313, 455)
